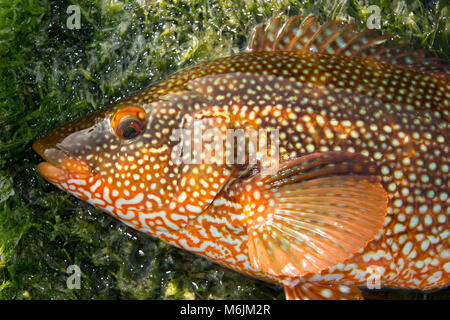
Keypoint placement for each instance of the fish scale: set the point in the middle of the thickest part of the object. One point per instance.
(364, 163)
(357, 124)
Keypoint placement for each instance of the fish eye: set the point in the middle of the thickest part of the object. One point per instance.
(128, 122)
(129, 128)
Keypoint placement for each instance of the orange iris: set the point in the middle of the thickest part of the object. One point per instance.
(128, 122)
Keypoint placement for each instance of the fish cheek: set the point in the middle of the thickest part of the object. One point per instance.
(91, 145)
(100, 194)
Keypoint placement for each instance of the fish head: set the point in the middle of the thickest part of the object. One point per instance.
(93, 146)
(122, 161)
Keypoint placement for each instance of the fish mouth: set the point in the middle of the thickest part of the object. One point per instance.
(58, 162)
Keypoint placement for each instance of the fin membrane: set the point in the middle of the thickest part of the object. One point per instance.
(335, 37)
(315, 212)
(313, 291)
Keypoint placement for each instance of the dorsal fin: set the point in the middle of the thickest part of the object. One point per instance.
(336, 37)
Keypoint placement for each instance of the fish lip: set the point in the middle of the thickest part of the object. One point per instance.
(52, 153)
(51, 172)
(59, 175)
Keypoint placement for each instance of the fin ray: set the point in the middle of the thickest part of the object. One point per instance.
(336, 37)
(317, 291)
(316, 229)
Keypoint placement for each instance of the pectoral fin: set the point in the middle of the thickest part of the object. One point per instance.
(315, 212)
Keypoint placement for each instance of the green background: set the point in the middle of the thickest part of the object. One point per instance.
(50, 74)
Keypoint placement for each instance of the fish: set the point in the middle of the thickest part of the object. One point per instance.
(349, 191)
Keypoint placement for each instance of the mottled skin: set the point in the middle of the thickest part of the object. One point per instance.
(319, 102)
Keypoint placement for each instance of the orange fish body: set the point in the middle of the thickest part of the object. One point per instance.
(359, 197)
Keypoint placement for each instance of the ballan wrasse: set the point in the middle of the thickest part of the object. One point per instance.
(361, 190)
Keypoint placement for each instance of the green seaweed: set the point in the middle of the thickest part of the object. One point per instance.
(50, 74)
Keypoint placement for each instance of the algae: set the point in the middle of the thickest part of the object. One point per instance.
(50, 74)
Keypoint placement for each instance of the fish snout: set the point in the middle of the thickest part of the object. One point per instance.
(56, 158)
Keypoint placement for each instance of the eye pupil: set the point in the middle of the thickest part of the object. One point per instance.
(129, 132)
(129, 128)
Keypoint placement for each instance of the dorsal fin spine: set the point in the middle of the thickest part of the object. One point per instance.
(335, 37)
